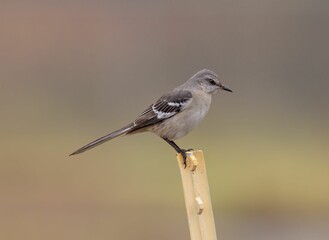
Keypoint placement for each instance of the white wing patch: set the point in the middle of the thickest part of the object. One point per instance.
(166, 109)
(174, 104)
(162, 115)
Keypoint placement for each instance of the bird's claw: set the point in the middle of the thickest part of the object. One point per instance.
(183, 152)
(184, 157)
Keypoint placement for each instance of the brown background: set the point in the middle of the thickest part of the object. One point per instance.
(72, 71)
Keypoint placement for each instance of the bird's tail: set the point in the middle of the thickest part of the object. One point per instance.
(104, 139)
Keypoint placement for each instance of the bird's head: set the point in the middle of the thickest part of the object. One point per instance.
(207, 81)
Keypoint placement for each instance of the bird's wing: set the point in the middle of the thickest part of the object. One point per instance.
(165, 107)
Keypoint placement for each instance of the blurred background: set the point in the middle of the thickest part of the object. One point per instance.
(72, 71)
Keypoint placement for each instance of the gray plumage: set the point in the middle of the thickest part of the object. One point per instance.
(174, 114)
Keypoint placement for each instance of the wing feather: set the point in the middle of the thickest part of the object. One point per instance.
(165, 107)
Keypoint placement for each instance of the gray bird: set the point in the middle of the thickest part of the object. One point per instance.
(174, 114)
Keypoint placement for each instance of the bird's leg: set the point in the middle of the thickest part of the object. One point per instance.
(178, 150)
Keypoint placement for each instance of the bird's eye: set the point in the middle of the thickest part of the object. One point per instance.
(211, 81)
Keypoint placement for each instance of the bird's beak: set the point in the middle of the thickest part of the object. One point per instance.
(225, 88)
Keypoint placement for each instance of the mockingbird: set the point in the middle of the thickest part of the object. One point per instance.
(174, 114)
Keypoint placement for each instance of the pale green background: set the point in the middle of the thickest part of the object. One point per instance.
(72, 71)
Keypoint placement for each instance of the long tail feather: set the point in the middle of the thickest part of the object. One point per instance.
(103, 139)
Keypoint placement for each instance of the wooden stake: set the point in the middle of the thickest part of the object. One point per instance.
(197, 196)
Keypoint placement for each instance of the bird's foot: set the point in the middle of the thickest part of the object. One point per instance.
(183, 152)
